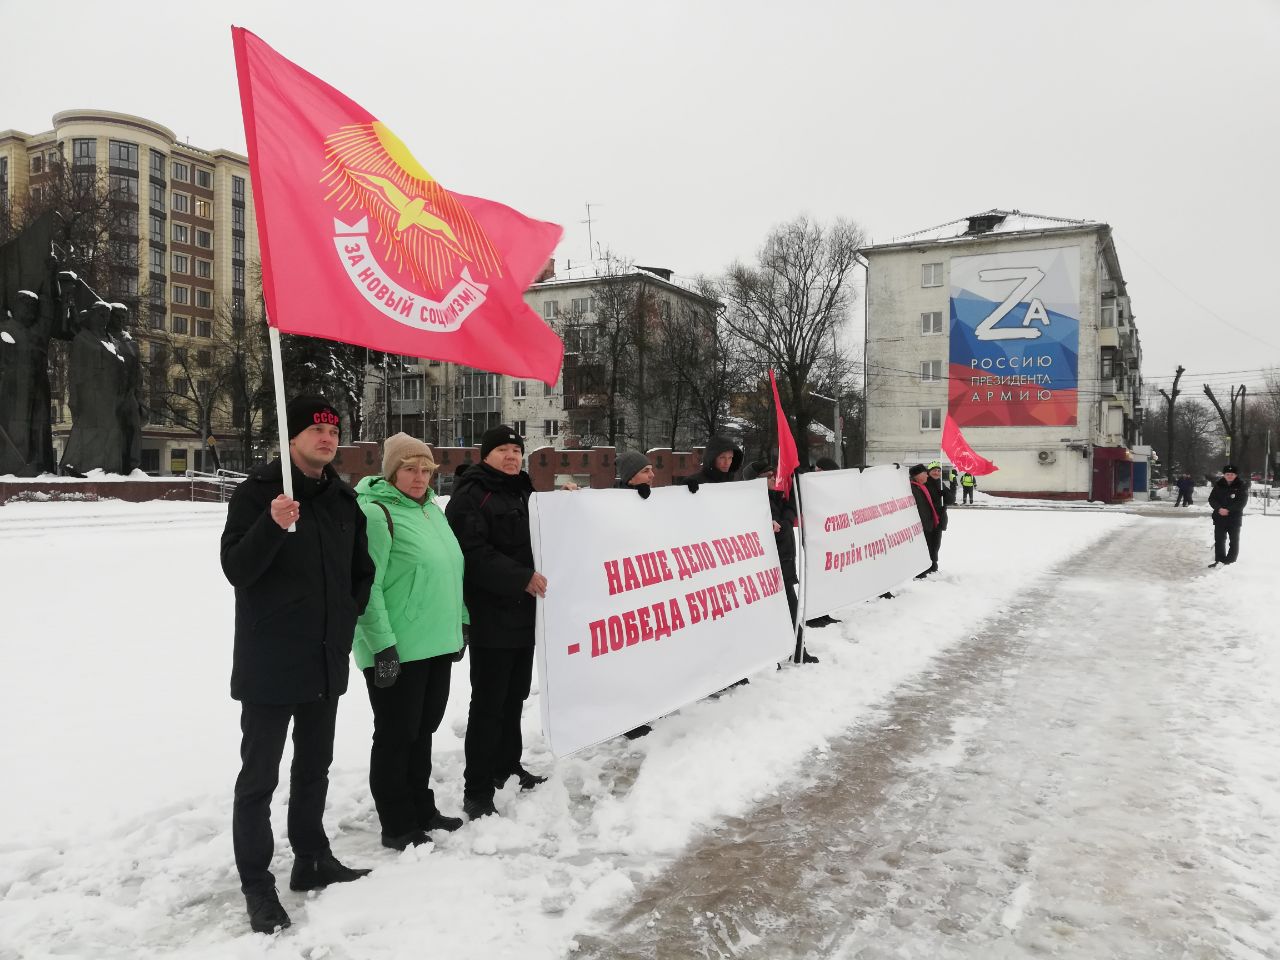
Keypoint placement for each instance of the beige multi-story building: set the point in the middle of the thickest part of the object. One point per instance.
(1020, 328)
(453, 405)
(188, 214)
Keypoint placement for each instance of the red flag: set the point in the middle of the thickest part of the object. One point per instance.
(360, 244)
(788, 459)
(960, 453)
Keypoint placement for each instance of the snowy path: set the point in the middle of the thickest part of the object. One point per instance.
(1093, 776)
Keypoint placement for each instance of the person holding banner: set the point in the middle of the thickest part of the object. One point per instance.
(408, 637)
(489, 514)
(939, 493)
(928, 510)
(635, 472)
(721, 461)
(298, 595)
(783, 511)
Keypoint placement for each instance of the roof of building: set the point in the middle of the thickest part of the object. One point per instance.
(588, 275)
(989, 223)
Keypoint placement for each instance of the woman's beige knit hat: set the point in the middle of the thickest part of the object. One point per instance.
(398, 448)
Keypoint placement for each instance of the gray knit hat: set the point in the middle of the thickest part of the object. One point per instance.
(631, 463)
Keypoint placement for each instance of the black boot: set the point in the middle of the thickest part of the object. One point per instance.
(438, 821)
(808, 657)
(403, 841)
(635, 733)
(265, 913)
(527, 780)
(316, 873)
(474, 807)
(822, 621)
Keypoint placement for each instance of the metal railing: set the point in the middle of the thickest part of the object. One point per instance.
(215, 487)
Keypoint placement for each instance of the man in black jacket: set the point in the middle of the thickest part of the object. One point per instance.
(721, 461)
(1227, 500)
(489, 514)
(938, 493)
(927, 507)
(297, 598)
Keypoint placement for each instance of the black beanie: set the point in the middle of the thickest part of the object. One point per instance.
(496, 437)
(1230, 468)
(307, 411)
(918, 469)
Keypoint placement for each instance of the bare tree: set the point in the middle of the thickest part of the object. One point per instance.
(1170, 399)
(787, 307)
(1235, 425)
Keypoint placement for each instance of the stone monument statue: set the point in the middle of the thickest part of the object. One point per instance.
(96, 382)
(31, 313)
(132, 412)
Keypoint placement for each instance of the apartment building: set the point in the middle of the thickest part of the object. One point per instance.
(189, 237)
(1021, 329)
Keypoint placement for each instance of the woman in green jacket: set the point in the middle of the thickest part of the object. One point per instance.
(408, 637)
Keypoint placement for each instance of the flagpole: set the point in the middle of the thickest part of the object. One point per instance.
(800, 577)
(282, 419)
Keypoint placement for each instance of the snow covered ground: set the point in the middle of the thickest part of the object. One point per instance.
(120, 742)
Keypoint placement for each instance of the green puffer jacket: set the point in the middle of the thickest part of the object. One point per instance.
(416, 600)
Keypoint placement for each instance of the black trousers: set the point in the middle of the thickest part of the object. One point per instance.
(263, 728)
(405, 715)
(968, 494)
(500, 681)
(934, 541)
(1225, 528)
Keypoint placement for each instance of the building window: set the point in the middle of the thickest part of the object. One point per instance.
(204, 178)
(157, 164)
(123, 155)
(126, 285)
(931, 275)
(519, 389)
(204, 299)
(180, 323)
(180, 295)
(123, 188)
(521, 427)
(930, 418)
(157, 229)
(157, 261)
(237, 276)
(181, 386)
(930, 371)
(84, 153)
(157, 198)
(204, 239)
(181, 233)
(37, 163)
(204, 269)
(237, 248)
(237, 308)
(1108, 316)
(580, 305)
(181, 171)
(237, 218)
(182, 203)
(237, 188)
(157, 323)
(550, 309)
(580, 339)
(551, 428)
(931, 323)
(181, 263)
(202, 387)
(202, 209)
(204, 328)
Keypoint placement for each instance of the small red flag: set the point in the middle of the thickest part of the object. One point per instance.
(360, 244)
(788, 459)
(961, 455)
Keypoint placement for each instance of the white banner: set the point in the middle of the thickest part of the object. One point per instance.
(862, 536)
(651, 604)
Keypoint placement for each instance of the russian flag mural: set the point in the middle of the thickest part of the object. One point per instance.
(1015, 338)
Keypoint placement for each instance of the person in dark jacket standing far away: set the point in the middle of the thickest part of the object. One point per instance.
(1227, 499)
(408, 637)
(297, 598)
(939, 494)
(489, 514)
(927, 507)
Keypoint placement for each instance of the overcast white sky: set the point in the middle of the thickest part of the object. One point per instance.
(693, 127)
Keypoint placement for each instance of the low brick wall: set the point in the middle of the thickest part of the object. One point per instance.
(133, 491)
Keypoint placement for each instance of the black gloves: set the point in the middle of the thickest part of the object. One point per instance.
(693, 486)
(466, 637)
(644, 490)
(386, 667)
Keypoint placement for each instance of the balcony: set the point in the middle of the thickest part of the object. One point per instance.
(1108, 337)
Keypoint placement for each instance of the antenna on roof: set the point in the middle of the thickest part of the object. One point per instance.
(591, 245)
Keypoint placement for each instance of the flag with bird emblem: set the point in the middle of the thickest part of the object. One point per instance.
(361, 244)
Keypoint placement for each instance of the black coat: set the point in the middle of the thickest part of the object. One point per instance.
(709, 473)
(297, 594)
(922, 506)
(1231, 497)
(939, 494)
(489, 514)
